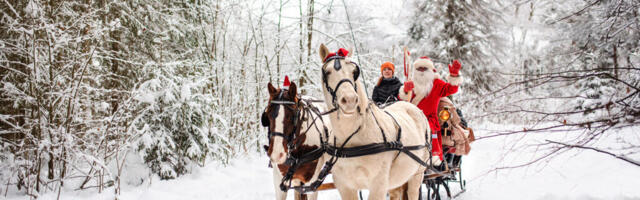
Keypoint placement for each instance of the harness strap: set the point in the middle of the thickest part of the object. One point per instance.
(277, 134)
(294, 163)
(335, 108)
(333, 91)
(319, 116)
(321, 176)
(323, 173)
(283, 102)
(375, 148)
(397, 125)
(384, 137)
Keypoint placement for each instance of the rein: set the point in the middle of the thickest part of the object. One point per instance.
(295, 162)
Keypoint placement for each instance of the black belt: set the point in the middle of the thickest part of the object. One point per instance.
(294, 162)
(369, 149)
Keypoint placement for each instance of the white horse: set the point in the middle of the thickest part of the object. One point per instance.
(293, 124)
(358, 122)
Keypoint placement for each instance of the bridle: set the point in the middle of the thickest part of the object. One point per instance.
(337, 66)
(295, 119)
(293, 161)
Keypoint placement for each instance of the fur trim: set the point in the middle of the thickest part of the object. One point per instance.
(435, 160)
(416, 100)
(423, 62)
(454, 80)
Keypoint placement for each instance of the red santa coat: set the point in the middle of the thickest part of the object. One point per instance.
(429, 106)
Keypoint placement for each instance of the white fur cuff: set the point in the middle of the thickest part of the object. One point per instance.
(454, 80)
(435, 160)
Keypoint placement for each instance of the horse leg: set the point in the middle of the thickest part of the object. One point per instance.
(414, 184)
(399, 193)
(298, 196)
(313, 196)
(378, 187)
(277, 177)
(280, 195)
(348, 193)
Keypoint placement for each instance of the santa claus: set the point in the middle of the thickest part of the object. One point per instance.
(427, 89)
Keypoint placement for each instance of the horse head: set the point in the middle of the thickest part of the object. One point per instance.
(282, 116)
(340, 81)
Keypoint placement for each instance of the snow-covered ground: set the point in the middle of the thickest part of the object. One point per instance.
(586, 175)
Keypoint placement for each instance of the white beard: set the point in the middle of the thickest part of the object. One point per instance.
(423, 83)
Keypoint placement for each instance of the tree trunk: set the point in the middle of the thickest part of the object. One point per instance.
(278, 44)
(305, 76)
(615, 60)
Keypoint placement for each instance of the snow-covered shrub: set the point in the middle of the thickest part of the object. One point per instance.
(175, 125)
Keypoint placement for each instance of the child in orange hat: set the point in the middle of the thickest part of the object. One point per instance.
(387, 88)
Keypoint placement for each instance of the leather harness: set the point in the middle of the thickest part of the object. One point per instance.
(333, 150)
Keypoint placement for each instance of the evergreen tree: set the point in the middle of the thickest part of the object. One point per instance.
(465, 30)
(175, 124)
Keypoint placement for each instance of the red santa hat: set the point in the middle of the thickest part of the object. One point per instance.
(424, 61)
(286, 83)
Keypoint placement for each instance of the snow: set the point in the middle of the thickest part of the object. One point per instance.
(176, 44)
(587, 175)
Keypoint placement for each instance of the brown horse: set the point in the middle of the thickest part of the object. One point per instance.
(294, 131)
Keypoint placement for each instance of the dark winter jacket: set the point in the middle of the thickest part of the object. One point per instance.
(386, 91)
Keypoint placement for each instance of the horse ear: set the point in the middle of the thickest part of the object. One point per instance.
(293, 90)
(350, 50)
(324, 51)
(272, 90)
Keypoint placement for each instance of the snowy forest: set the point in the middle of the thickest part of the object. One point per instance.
(102, 96)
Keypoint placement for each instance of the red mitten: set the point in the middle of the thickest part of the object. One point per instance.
(408, 86)
(454, 69)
